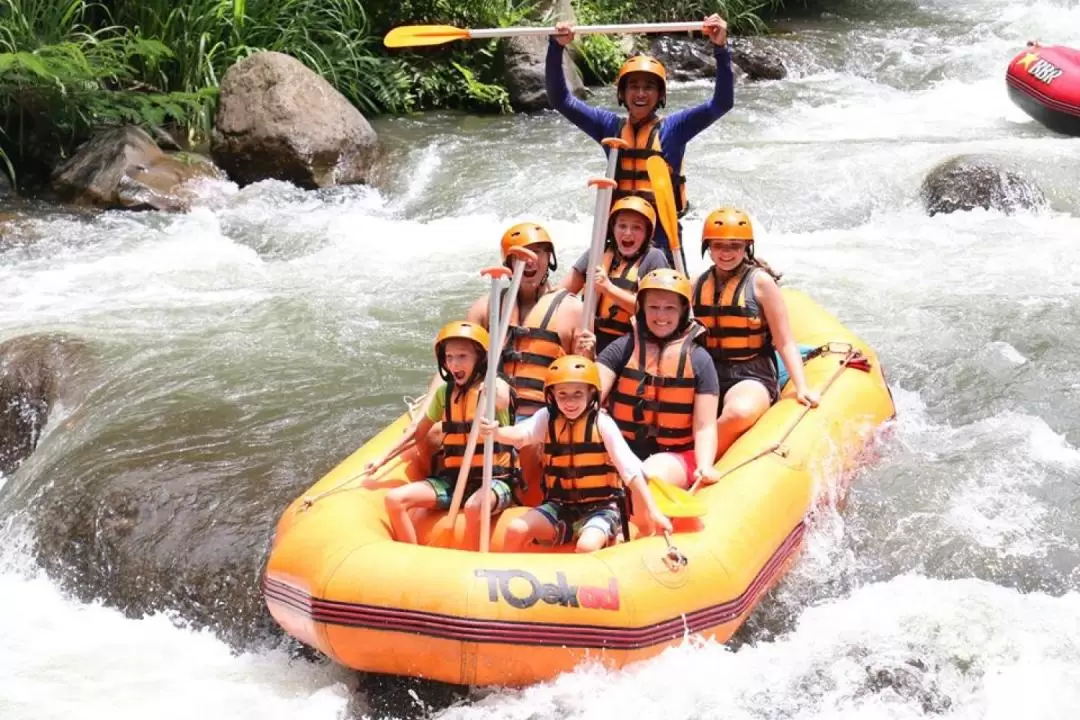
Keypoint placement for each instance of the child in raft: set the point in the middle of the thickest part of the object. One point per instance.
(585, 456)
(461, 352)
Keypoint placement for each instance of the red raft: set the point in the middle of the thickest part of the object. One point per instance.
(1045, 83)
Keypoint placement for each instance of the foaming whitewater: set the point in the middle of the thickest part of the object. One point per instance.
(247, 346)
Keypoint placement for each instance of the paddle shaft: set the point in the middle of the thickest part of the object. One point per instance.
(672, 27)
(599, 235)
(474, 431)
(489, 414)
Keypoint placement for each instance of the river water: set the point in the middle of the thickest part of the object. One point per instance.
(241, 350)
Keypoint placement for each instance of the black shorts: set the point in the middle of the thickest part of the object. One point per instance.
(761, 369)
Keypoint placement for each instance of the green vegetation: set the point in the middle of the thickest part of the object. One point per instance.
(68, 66)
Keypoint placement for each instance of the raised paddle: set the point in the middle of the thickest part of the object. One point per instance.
(674, 501)
(660, 180)
(604, 188)
(418, 35)
(521, 255)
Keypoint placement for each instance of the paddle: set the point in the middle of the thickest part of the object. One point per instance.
(604, 187)
(521, 255)
(674, 501)
(418, 35)
(496, 273)
(660, 179)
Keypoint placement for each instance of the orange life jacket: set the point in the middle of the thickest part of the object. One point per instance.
(457, 422)
(577, 469)
(736, 328)
(612, 319)
(653, 398)
(530, 348)
(631, 175)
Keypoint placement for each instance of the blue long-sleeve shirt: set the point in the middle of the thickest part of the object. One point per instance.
(676, 130)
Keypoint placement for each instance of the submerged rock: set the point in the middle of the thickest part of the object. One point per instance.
(36, 372)
(967, 182)
(124, 168)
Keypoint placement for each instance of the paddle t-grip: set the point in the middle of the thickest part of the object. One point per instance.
(496, 271)
(614, 142)
(522, 253)
(603, 182)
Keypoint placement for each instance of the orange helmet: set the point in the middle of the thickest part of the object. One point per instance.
(639, 205)
(461, 330)
(572, 369)
(726, 224)
(524, 235)
(665, 279)
(642, 64)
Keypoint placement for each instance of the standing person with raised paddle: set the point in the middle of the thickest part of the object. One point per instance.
(461, 351)
(642, 89)
(628, 256)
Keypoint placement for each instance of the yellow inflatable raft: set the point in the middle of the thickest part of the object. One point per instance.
(337, 581)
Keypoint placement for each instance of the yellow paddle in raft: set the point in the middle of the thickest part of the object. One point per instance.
(664, 194)
(674, 501)
(420, 35)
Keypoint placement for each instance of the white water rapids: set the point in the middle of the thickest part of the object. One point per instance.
(949, 585)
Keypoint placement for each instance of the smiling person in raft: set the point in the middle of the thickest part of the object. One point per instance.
(461, 352)
(661, 384)
(584, 458)
(641, 87)
(628, 256)
(746, 322)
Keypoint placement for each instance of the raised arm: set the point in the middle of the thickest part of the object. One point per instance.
(597, 123)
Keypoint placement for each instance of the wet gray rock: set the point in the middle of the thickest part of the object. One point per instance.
(523, 59)
(277, 119)
(967, 182)
(684, 57)
(759, 58)
(691, 58)
(36, 372)
(123, 168)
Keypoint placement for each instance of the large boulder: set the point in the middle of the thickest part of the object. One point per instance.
(967, 182)
(36, 371)
(277, 119)
(684, 57)
(524, 59)
(691, 58)
(759, 58)
(122, 167)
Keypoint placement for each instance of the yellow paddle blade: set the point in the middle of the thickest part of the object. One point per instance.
(660, 179)
(674, 501)
(417, 35)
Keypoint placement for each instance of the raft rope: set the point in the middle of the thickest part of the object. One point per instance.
(413, 405)
(853, 358)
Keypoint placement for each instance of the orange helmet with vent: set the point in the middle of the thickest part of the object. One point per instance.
(726, 224)
(641, 64)
(572, 369)
(525, 235)
(639, 205)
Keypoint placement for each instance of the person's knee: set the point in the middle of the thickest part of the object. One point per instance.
(591, 540)
(517, 530)
(741, 413)
(395, 502)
